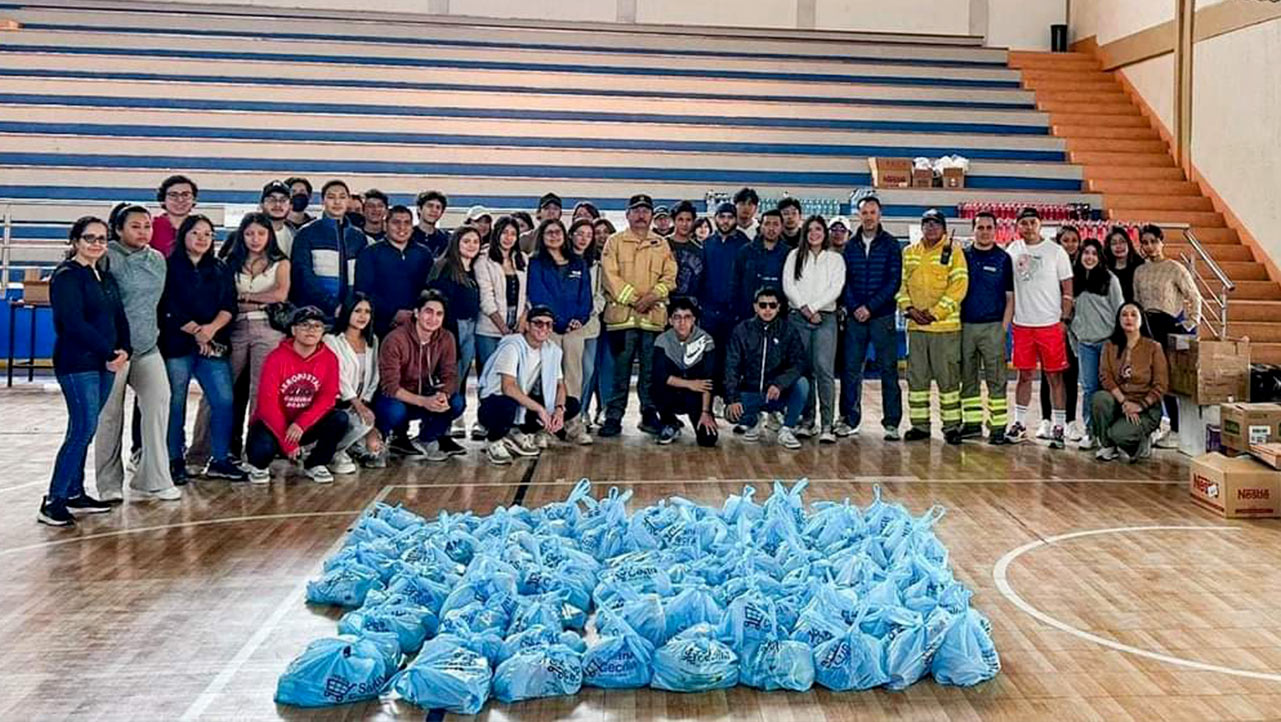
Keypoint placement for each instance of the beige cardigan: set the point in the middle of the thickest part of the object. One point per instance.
(493, 293)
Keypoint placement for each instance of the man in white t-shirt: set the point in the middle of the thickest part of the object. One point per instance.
(523, 372)
(1042, 305)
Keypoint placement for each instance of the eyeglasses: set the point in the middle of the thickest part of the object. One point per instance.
(180, 195)
(541, 323)
(311, 326)
(683, 317)
(767, 304)
(94, 240)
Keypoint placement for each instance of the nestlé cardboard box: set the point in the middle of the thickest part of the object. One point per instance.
(1234, 488)
(1244, 425)
(891, 172)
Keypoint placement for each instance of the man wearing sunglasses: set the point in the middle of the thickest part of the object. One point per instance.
(520, 378)
(765, 370)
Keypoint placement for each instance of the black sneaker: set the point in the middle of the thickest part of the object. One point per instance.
(998, 438)
(668, 435)
(1056, 438)
(611, 427)
(54, 514)
(178, 472)
(971, 431)
(953, 437)
(405, 446)
(85, 504)
(451, 447)
(225, 469)
(650, 423)
(916, 435)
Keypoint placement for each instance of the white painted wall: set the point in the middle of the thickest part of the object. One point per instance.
(1023, 24)
(585, 10)
(1154, 79)
(1112, 19)
(1236, 125)
(914, 16)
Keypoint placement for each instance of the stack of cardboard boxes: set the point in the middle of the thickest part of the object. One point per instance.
(1242, 480)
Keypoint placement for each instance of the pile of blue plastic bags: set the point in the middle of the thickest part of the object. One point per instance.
(447, 613)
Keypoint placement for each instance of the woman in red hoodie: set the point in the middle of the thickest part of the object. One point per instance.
(296, 398)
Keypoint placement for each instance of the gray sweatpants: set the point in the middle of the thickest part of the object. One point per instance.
(147, 377)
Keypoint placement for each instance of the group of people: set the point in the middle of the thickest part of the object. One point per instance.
(322, 338)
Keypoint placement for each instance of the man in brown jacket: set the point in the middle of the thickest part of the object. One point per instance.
(639, 273)
(418, 379)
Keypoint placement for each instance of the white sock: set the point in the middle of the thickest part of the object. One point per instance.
(1058, 418)
(1020, 415)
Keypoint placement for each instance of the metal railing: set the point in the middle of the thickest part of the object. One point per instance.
(1214, 302)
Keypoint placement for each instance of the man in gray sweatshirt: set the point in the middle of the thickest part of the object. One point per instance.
(139, 271)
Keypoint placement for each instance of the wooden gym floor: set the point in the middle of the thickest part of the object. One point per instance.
(191, 610)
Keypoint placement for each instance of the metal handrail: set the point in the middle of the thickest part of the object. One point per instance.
(1217, 300)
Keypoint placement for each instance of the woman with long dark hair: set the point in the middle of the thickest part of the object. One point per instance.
(92, 346)
(1134, 377)
(196, 311)
(1171, 303)
(1122, 259)
(813, 277)
(501, 277)
(602, 383)
(354, 343)
(1098, 298)
(454, 275)
(582, 240)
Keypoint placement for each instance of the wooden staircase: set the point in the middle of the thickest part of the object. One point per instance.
(1126, 159)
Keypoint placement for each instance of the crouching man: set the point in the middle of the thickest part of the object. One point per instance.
(683, 370)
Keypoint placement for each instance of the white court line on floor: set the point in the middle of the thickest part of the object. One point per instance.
(289, 604)
(27, 485)
(763, 484)
(1000, 575)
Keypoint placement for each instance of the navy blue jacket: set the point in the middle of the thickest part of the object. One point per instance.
(392, 278)
(322, 269)
(566, 289)
(194, 293)
(756, 267)
(436, 244)
(872, 278)
(88, 317)
(719, 255)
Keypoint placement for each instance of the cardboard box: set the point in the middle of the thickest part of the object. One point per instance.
(922, 178)
(1245, 425)
(953, 178)
(1207, 371)
(1269, 453)
(891, 172)
(1234, 488)
(1195, 423)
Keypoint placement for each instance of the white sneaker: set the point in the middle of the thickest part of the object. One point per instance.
(843, 429)
(1162, 438)
(576, 433)
(342, 464)
(773, 421)
(1075, 431)
(1087, 443)
(1043, 429)
(806, 431)
(111, 496)
(432, 452)
(319, 474)
(521, 444)
(459, 428)
(258, 476)
(497, 453)
(172, 493)
(754, 432)
(544, 440)
(826, 436)
(1107, 453)
(787, 439)
(478, 432)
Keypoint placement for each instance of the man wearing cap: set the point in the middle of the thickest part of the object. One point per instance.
(323, 262)
(838, 233)
(296, 403)
(275, 203)
(1042, 305)
(759, 263)
(393, 271)
(793, 214)
(663, 221)
(986, 314)
(873, 274)
(935, 279)
(716, 294)
(550, 207)
(431, 206)
(746, 202)
(522, 391)
(686, 250)
(639, 273)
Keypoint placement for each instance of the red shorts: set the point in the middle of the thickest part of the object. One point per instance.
(1044, 343)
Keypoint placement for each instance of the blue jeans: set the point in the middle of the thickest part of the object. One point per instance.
(792, 401)
(879, 333)
(85, 393)
(214, 377)
(485, 347)
(1087, 355)
(392, 414)
(589, 367)
(466, 353)
(601, 383)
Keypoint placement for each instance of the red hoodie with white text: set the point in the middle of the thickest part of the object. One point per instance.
(296, 390)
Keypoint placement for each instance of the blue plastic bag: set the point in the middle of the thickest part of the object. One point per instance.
(538, 636)
(852, 661)
(749, 620)
(694, 604)
(448, 675)
(539, 672)
(397, 516)
(344, 586)
(913, 642)
(741, 506)
(814, 628)
(967, 656)
(694, 661)
(778, 665)
(334, 670)
(620, 658)
(409, 622)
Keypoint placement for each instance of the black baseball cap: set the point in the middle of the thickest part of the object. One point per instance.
(726, 207)
(274, 187)
(640, 200)
(935, 215)
(550, 199)
(540, 310)
(1029, 212)
(662, 211)
(305, 314)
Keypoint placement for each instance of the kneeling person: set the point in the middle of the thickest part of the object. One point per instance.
(418, 380)
(296, 398)
(765, 370)
(684, 366)
(521, 375)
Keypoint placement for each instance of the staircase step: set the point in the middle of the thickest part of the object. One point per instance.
(1132, 172)
(1238, 271)
(1058, 75)
(1095, 109)
(1253, 290)
(1253, 311)
(1087, 96)
(1118, 145)
(1081, 117)
(1058, 61)
(1213, 236)
(1152, 187)
(1104, 131)
(1258, 332)
(1117, 203)
(1262, 353)
(1221, 252)
(1145, 160)
(1158, 216)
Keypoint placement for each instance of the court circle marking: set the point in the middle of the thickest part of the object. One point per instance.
(1000, 576)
